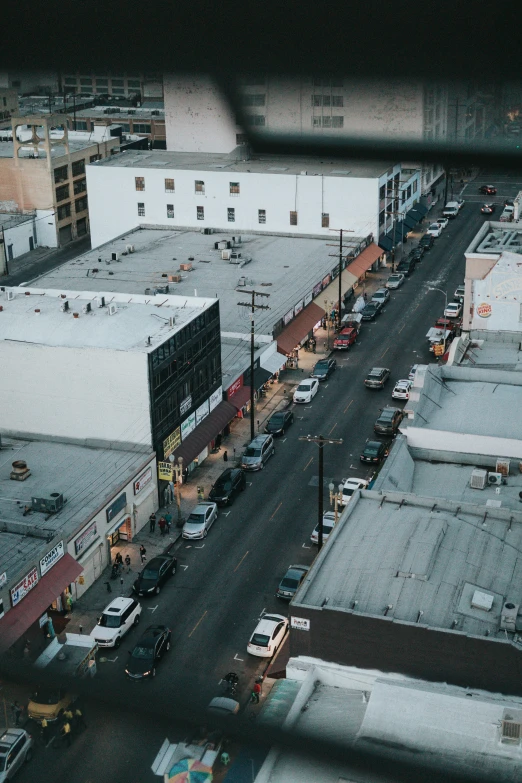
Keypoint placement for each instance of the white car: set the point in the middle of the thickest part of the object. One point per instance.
(401, 390)
(442, 221)
(459, 293)
(395, 280)
(117, 618)
(453, 310)
(350, 485)
(413, 370)
(306, 390)
(381, 295)
(328, 526)
(268, 635)
(16, 747)
(435, 230)
(200, 520)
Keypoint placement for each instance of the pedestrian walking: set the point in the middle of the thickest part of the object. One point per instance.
(365, 297)
(17, 712)
(79, 719)
(162, 526)
(168, 520)
(68, 715)
(118, 559)
(66, 733)
(256, 693)
(128, 562)
(143, 552)
(45, 731)
(152, 522)
(108, 585)
(225, 456)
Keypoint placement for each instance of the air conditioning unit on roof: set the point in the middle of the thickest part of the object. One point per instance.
(225, 255)
(495, 479)
(508, 617)
(502, 466)
(49, 505)
(9, 295)
(112, 309)
(129, 248)
(478, 478)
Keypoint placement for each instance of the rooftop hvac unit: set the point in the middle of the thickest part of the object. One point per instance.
(223, 244)
(208, 230)
(508, 617)
(225, 255)
(49, 505)
(172, 321)
(478, 478)
(235, 257)
(185, 267)
(64, 306)
(495, 479)
(100, 301)
(129, 248)
(86, 308)
(112, 309)
(163, 289)
(242, 281)
(9, 295)
(236, 240)
(502, 466)
(175, 278)
(115, 256)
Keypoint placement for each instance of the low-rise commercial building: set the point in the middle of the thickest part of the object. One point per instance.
(18, 235)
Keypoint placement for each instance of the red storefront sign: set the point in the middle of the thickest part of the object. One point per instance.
(235, 387)
(29, 581)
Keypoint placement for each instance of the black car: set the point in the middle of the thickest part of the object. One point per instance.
(388, 421)
(427, 242)
(417, 253)
(487, 209)
(372, 309)
(154, 575)
(324, 368)
(488, 190)
(279, 422)
(406, 266)
(230, 483)
(291, 581)
(152, 646)
(374, 451)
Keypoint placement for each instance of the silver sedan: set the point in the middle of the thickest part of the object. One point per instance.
(200, 520)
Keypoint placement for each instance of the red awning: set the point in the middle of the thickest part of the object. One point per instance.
(299, 328)
(240, 398)
(365, 260)
(211, 426)
(17, 620)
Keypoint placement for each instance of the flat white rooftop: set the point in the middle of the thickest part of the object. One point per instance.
(35, 315)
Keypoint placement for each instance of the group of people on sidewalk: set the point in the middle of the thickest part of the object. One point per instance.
(164, 523)
(71, 724)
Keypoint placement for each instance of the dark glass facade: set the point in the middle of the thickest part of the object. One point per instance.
(186, 366)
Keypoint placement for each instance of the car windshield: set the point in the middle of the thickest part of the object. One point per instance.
(251, 452)
(196, 519)
(277, 418)
(142, 652)
(289, 582)
(372, 449)
(386, 416)
(260, 639)
(110, 621)
(46, 696)
(374, 374)
(150, 573)
(327, 527)
(348, 491)
(321, 366)
(303, 387)
(435, 226)
(224, 485)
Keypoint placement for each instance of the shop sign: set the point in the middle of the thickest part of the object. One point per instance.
(300, 623)
(142, 481)
(215, 398)
(186, 405)
(317, 289)
(116, 506)
(235, 387)
(325, 281)
(3, 579)
(86, 538)
(171, 443)
(165, 471)
(202, 412)
(52, 557)
(23, 587)
(484, 310)
(188, 425)
(288, 317)
(308, 298)
(298, 308)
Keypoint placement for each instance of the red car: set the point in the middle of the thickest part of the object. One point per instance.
(345, 339)
(488, 190)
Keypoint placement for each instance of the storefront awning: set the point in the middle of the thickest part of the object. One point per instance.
(385, 243)
(300, 327)
(205, 432)
(17, 620)
(274, 362)
(410, 223)
(260, 377)
(421, 209)
(413, 215)
(240, 398)
(364, 260)
(331, 292)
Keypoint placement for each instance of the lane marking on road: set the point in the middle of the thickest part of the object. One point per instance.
(306, 547)
(334, 426)
(249, 483)
(152, 608)
(402, 327)
(237, 658)
(188, 546)
(385, 352)
(308, 464)
(284, 440)
(225, 513)
(275, 512)
(200, 547)
(246, 553)
(184, 566)
(262, 613)
(198, 622)
(353, 467)
(347, 406)
(111, 660)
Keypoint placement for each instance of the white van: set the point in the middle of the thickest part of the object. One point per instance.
(451, 210)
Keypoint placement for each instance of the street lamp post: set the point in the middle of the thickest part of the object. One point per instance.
(178, 469)
(335, 497)
(321, 443)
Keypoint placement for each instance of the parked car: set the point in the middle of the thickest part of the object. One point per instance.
(306, 390)
(222, 705)
(227, 487)
(328, 526)
(435, 230)
(200, 520)
(279, 422)
(116, 620)
(258, 452)
(268, 635)
(395, 280)
(147, 653)
(451, 210)
(413, 370)
(352, 321)
(443, 221)
(388, 421)
(345, 339)
(509, 202)
(453, 310)
(406, 266)
(460, 202)
(377, 377)
(323, 369)
(290, 582)
(416, 254)
(351, 485)
(459, 293)
(401, 390)
(381, 296)
(154, 575)
(427, 241)
(508, 214)
(488, 190)
(374, 451)
(16, 747)
(371, 311)
(487, 209)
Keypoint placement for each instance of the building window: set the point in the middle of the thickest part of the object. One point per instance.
(141, 209)
(337, 100)
(61, 174)
(118, 91)
(414, 186)
(139, 183)
(234, 188)
(102, 82)
(94, 158)
(141, 128)
(124, 126)
(199, 186)
(79, 186)
(81, 227)
(261, 215)
(170, 210)
(325, 220)
(253, 100)
(408, 195)
(200, 213)
(86, 82)
(64, 211)
(241, 138)
(231, 215)
(78, 167)
(133, 83)
(169, 186)
(117, 82)
(338, 122)
(80, 204)
(293, 218)
(82, 125)
(381, 218)
(62, 193)
(328, 122)
(382, 192)
(255, 119)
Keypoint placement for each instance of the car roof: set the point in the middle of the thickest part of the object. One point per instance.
(299, 569)
(373, 443)
(150, 637)
(308, 381)
(403, 382)
(118, 605)
(268, 622)
(222, 704)
(202, 507)
(377, 369)
(381, 291)
(9, 738)
(158, 560)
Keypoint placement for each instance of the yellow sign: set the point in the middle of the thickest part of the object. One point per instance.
(171, 443)
(439, 350)
(165, 471)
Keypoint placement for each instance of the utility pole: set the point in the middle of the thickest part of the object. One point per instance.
(253, 307)
(321, 443)
(341, 259)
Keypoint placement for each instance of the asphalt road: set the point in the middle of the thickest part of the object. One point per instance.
(227, 581)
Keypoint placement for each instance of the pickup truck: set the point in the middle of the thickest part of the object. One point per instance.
(352, 321)
(442, 332)
(507, 215)
(345, 339)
